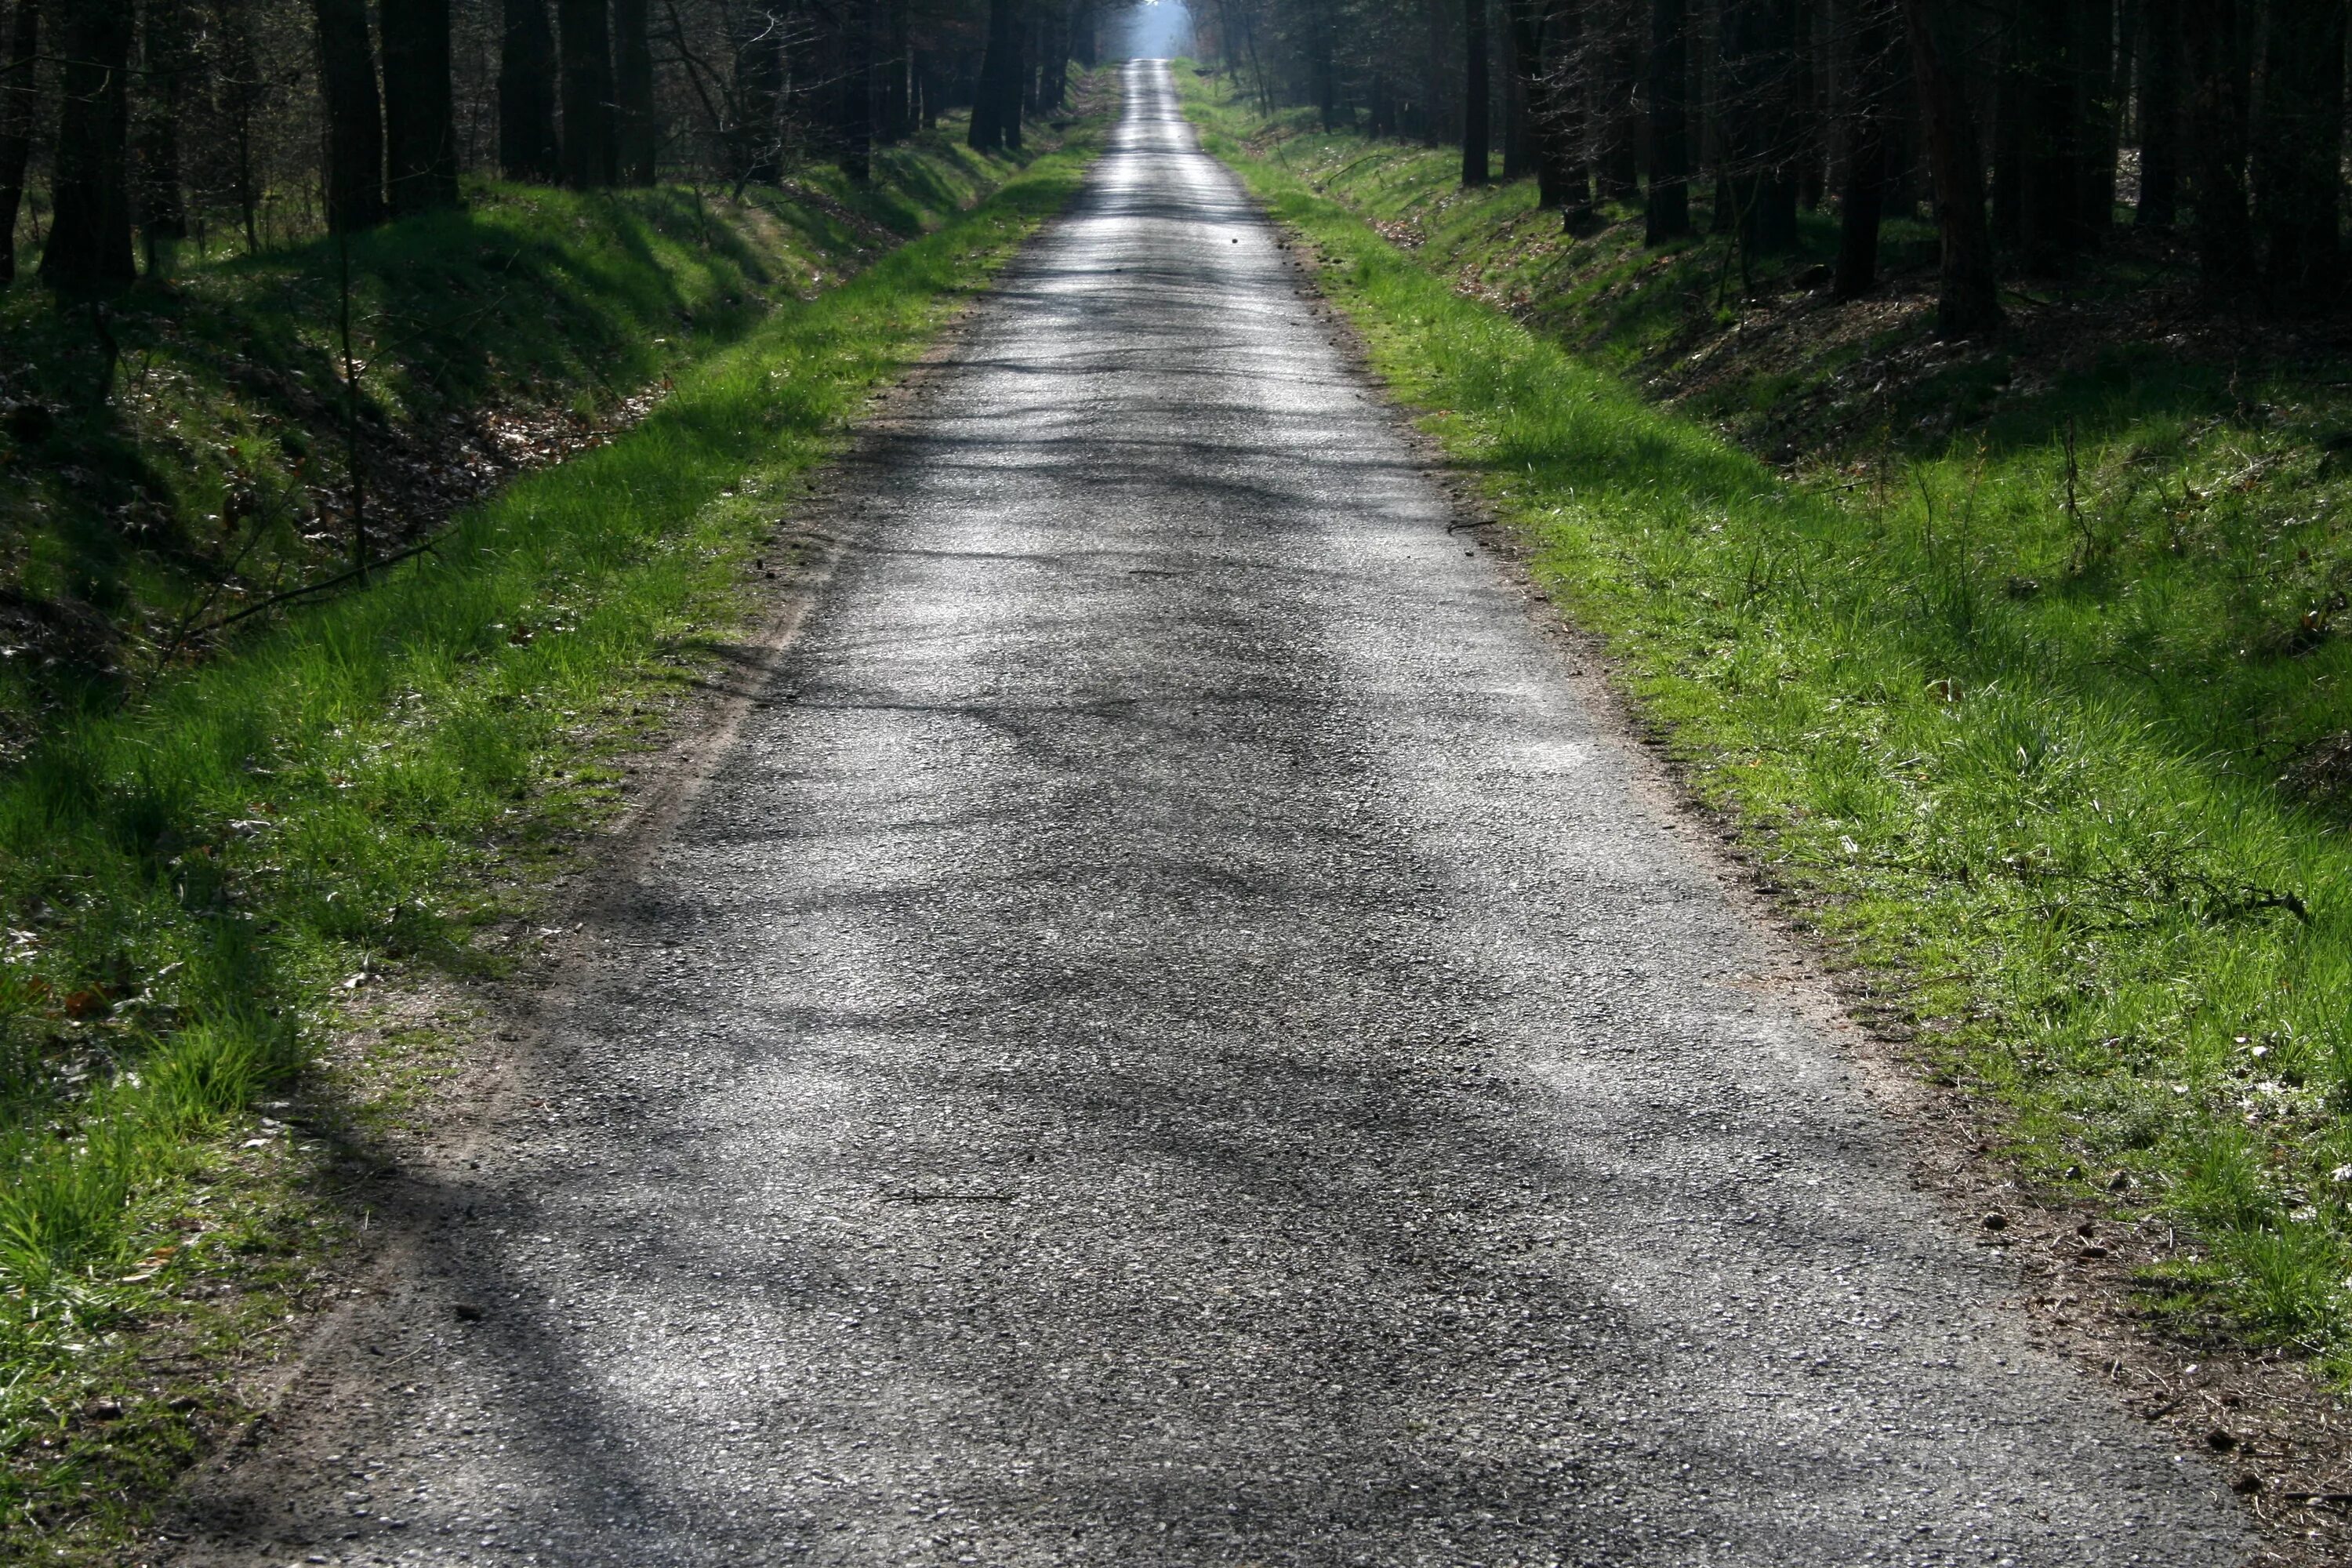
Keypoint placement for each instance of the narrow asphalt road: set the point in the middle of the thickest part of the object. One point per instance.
(1172, 1037)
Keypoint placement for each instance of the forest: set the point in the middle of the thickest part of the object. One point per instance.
(130, 129)
(2032, 129)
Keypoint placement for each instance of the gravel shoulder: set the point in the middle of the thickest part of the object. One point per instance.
(1167, 1029)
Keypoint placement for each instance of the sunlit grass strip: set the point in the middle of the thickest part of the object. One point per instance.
(2124, 934)
(190, 882)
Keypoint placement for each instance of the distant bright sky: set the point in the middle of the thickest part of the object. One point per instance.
(1158, 29)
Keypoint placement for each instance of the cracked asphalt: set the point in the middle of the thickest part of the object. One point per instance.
(1175, 1033)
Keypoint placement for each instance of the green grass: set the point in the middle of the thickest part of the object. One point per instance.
(2062, 787)
(195, 884)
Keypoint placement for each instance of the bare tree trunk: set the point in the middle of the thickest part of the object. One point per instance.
(1434, 75)
(996, 97)
(2298, 153)
(2159, 114)
(855, 116)
(1967, 301)
(419, 113)
(637, 138)
(1475, 94)
(19, 97)
(1759, 61)
(157, 204)
(354, 116)
(89, 235)
(2098, 80)
(527, 145)
(1617, 175)
(1670, 164)
(586, 49)
(759, 97)
(1542, 35)
(2217, 45)
(1870, 88)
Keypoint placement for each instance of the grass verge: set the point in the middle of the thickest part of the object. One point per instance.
(193, 885)
(175, 454)
(2041, 729)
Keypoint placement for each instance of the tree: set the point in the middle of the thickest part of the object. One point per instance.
(2099, 80)
(2052, 126)
(996, 102)
(1561, 178)
(354, 164)
(856, 117)
(1759, 66)
(1869, 130)
(419, 116)
(20, 96)
(2159, 114)
(2217, 102)
(157, 206)
(1616, 72)
(1967, 299)
(1475, 95)
(633, 82)
(757, 142)
(89, 233)
(586, 52)
(2298, 151)
(1669, 213)
(527, 71)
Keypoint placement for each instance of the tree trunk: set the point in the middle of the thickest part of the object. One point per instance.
(2099, 83)
(1516, 106)
(996, 97)
(1759, 53)
(855, 120)
(1669, 213)
(419, 115)
(2297, 152)
(758, 94)
(1870, 88)
(90, 230)
(1474, 92)
(355, 117)
(1617, 170)
(2050, 162)
(895, 79)
(636, 136)
(20, 96)
(157, 204)
(1807, 142)
(590, 153)
(2159, 114)
(1434, 72)
(2216, 45)
(527, 145)
(2010, 112)
(1018, 68)
(1544, 35)
(1968, 300)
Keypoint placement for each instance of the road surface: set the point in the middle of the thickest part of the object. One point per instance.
(1175, 1037)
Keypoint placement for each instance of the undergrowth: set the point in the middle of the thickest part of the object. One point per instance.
(194, 881)
(2044, 711)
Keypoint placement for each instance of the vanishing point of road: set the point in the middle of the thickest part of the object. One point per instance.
(1173, 1035)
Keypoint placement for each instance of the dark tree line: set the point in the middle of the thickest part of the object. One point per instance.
(128, 126)
(2027, 129)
